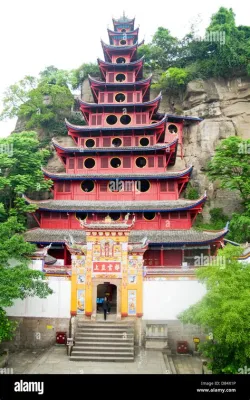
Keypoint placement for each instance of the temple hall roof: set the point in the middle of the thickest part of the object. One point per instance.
(168, 238)
(165, 175)
(78, 149)
(114, 206)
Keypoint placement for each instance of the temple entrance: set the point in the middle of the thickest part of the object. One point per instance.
(108, 290)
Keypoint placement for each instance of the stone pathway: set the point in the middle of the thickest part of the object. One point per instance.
(187, 364)
(56, 361)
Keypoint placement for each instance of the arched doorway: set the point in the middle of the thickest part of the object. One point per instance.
(108, 290)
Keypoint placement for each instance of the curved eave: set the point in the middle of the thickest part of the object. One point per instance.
(157, 99)
(78, 177)
(146, 81)
(98, 207)
(120, 66)
(134, 32)
(183, 118)
(86, 128)
(122, 21)
(164, 146)
(119, 48)
(201, 242)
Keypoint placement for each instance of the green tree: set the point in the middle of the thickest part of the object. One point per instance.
(174, 81)
(39, 102)
(20, 171)
(231, 166)
(80, 74)
(224, 311)
(17, 280)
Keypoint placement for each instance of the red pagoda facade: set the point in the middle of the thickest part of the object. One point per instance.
(121, 164)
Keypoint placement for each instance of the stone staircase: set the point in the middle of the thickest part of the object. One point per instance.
(103, 341)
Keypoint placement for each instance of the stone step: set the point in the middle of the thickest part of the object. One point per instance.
(98, 358)
(106, 324)
(105, 343)
(103, 348)
(105, 328)
(104, 353)
(103, 334)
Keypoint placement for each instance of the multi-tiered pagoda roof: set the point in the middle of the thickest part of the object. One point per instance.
(126, 140)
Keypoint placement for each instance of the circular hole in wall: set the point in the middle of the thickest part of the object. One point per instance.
(116, 142)
(115, 216)
(120, 60)
(143, 185)
(81, 215)
(125, 119)
(172, 128)
(141, 162)
(111, 119)
(149, 216)
(90, 143)
(144, 141)
(123, 42)
(120, 97)
(89, 163)
(87, 186)
(115, 162)
(120, 77)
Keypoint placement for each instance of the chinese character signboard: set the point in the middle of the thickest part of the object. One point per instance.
(106, 267)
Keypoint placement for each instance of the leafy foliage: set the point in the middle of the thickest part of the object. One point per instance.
(20, 162)
(17, 281)
(224, 51)
(39, 102)
(224, 311)
(78, 75)
(231, 166)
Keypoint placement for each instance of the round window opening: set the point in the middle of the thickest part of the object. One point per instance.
(123, 30)
(144, 141)
(115, 216)
(81, 215)
(142, 186)
(90, 143)
(111, 119)
(115, 162)
(87, 186)
(89, 163)
(120, 78)
(149, 216)
(172, 129)
(120, 97)
(120, 60)
(125, 119)
(153, 122)
(116, 142)
(123, 42)
(141, 162)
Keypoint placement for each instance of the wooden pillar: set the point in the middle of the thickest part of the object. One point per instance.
(161, 257)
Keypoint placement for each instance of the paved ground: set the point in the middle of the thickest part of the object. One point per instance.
(56, 361)
(186, 364)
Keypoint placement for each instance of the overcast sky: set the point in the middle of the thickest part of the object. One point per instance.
(35, 34)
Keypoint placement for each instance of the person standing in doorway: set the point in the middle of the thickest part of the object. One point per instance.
(105, 306)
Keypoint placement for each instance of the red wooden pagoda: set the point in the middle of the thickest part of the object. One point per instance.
(121, 163)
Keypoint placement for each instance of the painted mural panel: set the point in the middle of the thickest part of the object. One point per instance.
(131, 302)
(80, 301)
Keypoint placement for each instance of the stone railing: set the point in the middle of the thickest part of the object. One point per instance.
(168, 270)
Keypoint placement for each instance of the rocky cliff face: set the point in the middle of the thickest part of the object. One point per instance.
(225, 109)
